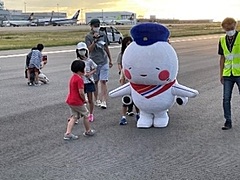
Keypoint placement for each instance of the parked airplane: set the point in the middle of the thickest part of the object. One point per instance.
(43, 21)
(131, 20)
(64, 21)
(57, 21)
(16, 23)
(107, 22)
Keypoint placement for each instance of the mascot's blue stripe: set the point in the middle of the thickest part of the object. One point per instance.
(151, 90)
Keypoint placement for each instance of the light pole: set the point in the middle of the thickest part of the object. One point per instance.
(25, 7)
(58, 10)
(82, 16)
(102, 16)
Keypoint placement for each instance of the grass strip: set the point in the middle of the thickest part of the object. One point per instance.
(10, 40)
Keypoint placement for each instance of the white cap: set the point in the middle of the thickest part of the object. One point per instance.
(82, 45)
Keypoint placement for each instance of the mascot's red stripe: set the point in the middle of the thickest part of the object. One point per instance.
(140, 88)
(164, 88)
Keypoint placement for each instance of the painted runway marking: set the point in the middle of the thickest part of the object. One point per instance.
(47, 52)
(112, 47)
(194, 38)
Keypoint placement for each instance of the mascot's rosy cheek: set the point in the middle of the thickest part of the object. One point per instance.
(127, 74)
(164, 75)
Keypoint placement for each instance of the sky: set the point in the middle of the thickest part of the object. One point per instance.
(163, 9)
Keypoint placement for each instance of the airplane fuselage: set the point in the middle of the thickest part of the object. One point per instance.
(17, 23)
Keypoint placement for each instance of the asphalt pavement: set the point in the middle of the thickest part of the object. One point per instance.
(192, 147)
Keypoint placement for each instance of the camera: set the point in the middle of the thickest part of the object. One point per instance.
(97, 37)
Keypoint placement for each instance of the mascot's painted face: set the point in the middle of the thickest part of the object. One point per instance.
(155, 64)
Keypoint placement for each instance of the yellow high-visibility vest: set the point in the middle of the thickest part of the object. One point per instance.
(232, 59)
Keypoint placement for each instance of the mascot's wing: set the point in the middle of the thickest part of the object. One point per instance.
(120, 91)
(183, 91)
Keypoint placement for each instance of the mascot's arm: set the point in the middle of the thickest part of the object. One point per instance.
(183, 93)
(121, 91)
(180, 90)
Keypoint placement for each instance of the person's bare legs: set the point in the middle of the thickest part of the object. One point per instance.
(28, 75)
(88, 130)
(123, 120)
(68, 135)
(70, 125)
(90, 102)
(96, 92)
(103, 85)
(103, 97)
(124, 110)
(91, 106)
(36, 77)
(86, 123)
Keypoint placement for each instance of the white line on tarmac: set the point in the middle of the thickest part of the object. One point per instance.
(194, 38)
(47, 52)
(112, 47)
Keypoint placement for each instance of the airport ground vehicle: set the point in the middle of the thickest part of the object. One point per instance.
(114, 36)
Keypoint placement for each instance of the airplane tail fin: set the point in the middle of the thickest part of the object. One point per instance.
(131, 17)
(51, 17)
(76, 15)
(30, 18)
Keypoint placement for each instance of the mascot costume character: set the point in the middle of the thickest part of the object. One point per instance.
(150, 64)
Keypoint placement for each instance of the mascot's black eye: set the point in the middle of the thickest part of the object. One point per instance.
(130, 68)
(157, 68)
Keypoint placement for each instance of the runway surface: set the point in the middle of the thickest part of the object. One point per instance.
(192, 147)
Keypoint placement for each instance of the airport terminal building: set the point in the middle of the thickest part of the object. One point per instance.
(3, 13)
(6, 14)
(112, 17)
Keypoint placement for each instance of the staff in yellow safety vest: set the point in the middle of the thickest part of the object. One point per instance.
(229, 51)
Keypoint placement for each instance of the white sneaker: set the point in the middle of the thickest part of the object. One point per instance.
(70, 137)
(37, 84)
(130, 113)
(77, 121)
(104, 105)
(98, 103)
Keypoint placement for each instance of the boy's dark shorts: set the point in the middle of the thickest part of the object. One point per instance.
(89, 87)
(34, 69)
